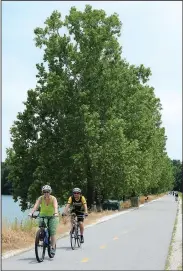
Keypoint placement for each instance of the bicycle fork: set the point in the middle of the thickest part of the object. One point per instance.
(46, 237)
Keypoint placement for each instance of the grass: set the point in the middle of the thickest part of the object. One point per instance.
(180, 194)
(18, 235)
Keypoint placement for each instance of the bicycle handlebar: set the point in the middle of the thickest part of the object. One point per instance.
(73, 214)
(36, 216)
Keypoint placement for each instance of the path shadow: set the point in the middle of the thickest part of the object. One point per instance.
(33, 260)
(65, 248)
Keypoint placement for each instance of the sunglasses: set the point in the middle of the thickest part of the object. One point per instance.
(46, 192)
(76, 193)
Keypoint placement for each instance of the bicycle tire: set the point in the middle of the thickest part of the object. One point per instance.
(37, 239)
(73, 239)
(78, 239)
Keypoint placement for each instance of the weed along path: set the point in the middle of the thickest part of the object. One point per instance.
(134, 240)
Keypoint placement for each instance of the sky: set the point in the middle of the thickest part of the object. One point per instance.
(151, 35)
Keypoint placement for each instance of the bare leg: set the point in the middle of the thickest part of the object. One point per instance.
(53, 241)
(81, 225)
(72, 221)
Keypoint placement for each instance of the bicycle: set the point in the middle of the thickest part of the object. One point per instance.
(43, 239)
(75, 236)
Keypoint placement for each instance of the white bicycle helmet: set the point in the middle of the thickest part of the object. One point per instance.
(76, 190)
(46, 188)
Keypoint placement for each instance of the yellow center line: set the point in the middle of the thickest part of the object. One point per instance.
(84, 260)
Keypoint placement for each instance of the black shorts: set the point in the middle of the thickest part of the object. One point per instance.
(79, 213)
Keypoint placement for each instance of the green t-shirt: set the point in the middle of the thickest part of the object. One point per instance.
(47, 210)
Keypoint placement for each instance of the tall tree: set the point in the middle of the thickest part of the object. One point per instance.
(92, 121)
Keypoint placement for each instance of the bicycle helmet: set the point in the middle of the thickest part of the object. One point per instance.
(46, 188)
(76, 190)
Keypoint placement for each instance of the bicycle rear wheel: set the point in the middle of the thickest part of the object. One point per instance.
(73, 239)
(40, 247)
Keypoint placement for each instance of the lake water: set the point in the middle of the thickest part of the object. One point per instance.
(12, 210)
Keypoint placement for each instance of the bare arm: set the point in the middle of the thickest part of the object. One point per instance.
(55, 205)
(68, 205)
(85, 208)
(36, 206)
(84, 204)
(66, 208)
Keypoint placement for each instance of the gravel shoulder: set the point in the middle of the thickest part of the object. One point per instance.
(174, 261)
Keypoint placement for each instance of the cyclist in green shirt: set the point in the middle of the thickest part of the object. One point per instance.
(48, 207)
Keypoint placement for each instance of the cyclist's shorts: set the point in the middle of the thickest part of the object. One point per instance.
(53, 224)
(80, 219)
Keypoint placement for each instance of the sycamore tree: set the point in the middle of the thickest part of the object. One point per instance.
(91, 121)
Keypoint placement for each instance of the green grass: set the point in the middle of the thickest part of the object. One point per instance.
(24, 225)
(180, 194)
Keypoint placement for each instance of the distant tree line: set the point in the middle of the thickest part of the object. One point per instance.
(6, 185)
(92, 120)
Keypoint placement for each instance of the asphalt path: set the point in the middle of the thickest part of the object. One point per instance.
(137, 240)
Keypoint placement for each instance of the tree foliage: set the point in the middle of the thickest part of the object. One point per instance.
(92, 121)
(6, 186)
(177, 172)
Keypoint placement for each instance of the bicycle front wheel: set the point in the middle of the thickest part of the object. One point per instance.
(40, 247)
(78, 238)
(73, 239)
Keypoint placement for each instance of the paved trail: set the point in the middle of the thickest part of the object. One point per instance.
(138, 240)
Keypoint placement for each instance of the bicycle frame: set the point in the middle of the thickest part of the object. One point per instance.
(46, 238)
(74, 233)
(74, 219)
(46, 231)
